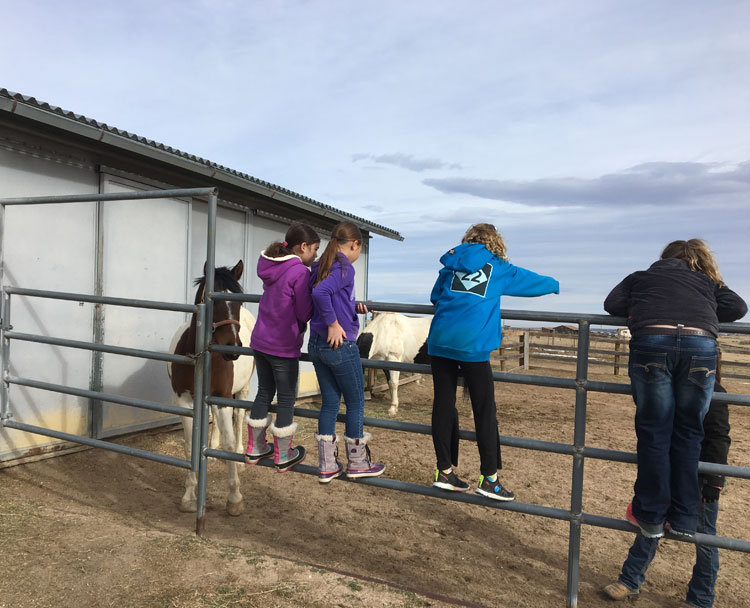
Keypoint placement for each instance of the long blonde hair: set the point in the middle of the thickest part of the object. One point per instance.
(343, 232)
(697, 255)
(487, 235)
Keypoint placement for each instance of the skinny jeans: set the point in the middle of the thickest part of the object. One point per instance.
(276, 376)
(339, 375)
(672, 381)
(479, 381)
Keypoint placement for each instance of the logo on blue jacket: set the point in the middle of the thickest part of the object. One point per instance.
(472, 282)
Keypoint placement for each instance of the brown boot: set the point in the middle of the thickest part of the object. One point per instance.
(618, 592)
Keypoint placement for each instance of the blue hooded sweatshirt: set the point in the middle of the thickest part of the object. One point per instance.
(466, 295)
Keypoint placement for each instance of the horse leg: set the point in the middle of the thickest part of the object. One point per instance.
(213, 432)
(239, 418)
(189, 501)
(393, 384)
(225, 424)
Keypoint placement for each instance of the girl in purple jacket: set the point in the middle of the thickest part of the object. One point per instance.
(283, 313)
(333, 351)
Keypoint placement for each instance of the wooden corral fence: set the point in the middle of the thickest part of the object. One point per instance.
(522, 348)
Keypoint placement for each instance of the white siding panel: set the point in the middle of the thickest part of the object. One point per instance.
(145, 246)
(48, 247)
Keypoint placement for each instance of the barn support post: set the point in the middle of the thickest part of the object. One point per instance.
(579, 442)
(4, 311)
(200, 323)
(4, 354)
(200, 523)
(96, 407)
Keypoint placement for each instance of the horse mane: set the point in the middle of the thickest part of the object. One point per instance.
(223, 281)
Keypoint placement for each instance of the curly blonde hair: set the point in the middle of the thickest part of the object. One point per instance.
(698, 256)
(487, 235)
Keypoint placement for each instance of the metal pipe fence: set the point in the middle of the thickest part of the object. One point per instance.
(581, 385)
(577, 450)
(7, 334)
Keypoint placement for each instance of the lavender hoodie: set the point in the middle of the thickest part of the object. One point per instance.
(285, 306)
(334, 299)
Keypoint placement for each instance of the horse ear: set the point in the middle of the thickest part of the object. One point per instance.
(204, 267)
(237, 270)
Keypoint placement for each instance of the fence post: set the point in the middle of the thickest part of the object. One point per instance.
(617, 357)
(200, 337)
(200, 520)
(579, 441)
(718, 362)
(526, 350)
(501, 352)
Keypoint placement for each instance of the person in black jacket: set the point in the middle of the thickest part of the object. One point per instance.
(700, 594)
(673, 311)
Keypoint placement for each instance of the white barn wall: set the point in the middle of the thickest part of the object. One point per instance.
(150, 249)
(151, 266)
(49, 247)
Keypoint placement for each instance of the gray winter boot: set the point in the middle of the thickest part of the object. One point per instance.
(285, 456)
(328, 467)
(257, 446)
(358, 456)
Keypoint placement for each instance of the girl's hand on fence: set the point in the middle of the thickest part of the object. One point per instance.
(336, 335)
(361, 308)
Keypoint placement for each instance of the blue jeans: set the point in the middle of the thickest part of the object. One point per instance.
(672, 381)
(339, 374)
(701, 586)
(276, 376)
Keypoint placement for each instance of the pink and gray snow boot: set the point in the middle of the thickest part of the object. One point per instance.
(257, 445)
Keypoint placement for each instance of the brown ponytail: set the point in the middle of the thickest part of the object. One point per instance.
(296, 235)
(343, 232)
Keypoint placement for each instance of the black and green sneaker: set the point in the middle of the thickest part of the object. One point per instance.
(493, 489)
(449, 481)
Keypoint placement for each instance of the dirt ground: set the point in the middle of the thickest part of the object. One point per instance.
(96, 528)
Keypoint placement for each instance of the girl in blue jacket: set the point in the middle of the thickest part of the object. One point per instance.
(466, 328)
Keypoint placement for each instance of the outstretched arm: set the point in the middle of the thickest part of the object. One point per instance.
(526, 283)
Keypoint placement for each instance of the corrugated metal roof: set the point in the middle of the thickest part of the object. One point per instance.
(251, 182)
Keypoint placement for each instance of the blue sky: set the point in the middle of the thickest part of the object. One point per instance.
(590, 133)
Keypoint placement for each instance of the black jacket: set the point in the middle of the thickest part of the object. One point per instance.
(669, 293)
(716, 441)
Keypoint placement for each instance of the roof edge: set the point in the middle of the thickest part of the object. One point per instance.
(52, 116)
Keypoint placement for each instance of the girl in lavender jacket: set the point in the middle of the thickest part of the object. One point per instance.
(283, 313)
(335, 356)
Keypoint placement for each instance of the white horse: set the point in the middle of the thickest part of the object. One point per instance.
(391, 336)
(230, 378)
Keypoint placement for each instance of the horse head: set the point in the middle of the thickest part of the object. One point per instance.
(226, 314)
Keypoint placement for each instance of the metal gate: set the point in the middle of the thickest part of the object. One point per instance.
(200, 453)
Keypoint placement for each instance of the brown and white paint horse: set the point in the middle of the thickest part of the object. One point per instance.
(230, 378)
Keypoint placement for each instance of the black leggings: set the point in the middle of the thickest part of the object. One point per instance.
(478, 379)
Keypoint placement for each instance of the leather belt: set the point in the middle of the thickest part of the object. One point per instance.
(671, 331)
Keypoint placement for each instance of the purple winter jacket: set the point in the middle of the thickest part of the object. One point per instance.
(334, 299)
(285, 306)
